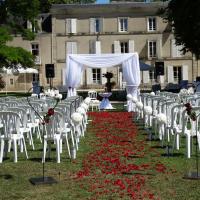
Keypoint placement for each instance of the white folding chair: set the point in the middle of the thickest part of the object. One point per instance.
(10, 132)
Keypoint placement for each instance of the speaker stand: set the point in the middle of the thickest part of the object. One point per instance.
(51, 82)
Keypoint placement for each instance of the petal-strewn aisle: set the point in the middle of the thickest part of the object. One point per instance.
(115, 168)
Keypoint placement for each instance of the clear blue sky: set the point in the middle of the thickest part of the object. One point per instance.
(102, 1)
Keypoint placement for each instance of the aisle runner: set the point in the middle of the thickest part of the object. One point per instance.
(110, 171)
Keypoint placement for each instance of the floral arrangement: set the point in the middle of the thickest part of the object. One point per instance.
(77, 118)
(81, 110)
(48, 112)
(87, 100)
(190, 112)
(148, 110)
(139, 105)
(129, 97)
(85, 106)
(134, 99)
(152, 94)
(162, 118)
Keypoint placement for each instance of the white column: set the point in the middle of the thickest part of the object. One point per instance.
(131, 46)
(170, 74)
(117, 48)
(185, 72)
(146, 77)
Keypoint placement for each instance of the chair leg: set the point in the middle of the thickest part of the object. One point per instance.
(24, 144)
(72, 138)
(58, 150)
(9, 145)
(31, 140)
(49, 148)
(61, 145)
(15, 150)
(2, 150)
(188, 143)
(67, 142)
(177, 141)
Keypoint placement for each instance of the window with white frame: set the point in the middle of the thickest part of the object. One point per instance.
(123, 24)
(152, 75)
(152, 51)
(96, 25)
(96, 76)
(35, 77)
(177, 73)
(152, 24)
(35, 49)
(124, 47)
(71, 25)
(11, 81)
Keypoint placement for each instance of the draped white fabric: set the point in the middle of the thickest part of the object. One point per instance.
(76, 63)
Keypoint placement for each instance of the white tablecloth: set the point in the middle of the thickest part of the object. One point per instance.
(105, 103)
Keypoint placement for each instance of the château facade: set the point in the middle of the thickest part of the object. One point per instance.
(106, 28)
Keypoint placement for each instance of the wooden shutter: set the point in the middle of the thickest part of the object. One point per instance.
(170, 73)
(184, 72)
(146, 77)
(101, 24)
(131, 46)
(73, 26)
(92, 25)
(68, 25)
(98, 47)
(92, 46)
(117, 48)
(159, 48)
(89, 75)
(103, 79)
(173, 48)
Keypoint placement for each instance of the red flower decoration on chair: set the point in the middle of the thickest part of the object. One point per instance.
(50, 112)
(190, 112)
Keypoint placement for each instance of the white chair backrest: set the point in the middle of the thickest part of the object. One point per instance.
(92, 94)
(54, 125)
(12, 103)
(3, 106)
(11, 123)
(22, 114)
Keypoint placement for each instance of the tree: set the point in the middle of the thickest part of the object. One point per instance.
(184, 17)
(11, 57)
(14, 14)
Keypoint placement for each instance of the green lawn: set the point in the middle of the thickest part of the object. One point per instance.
(14, 177)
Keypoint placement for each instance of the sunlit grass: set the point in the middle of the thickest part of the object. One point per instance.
(14, 177)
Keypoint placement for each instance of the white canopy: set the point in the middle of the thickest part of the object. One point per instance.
(20, 70)
(130, 69)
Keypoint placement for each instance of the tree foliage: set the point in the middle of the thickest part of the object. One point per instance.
(184, 17)
(11, 57)
(14, 14)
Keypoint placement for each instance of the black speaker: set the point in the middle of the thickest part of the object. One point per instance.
(198, 79)
(159, 68)
(50, 71)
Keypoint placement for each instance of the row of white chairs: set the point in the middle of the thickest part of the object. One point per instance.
(61, 127)
(166, 115)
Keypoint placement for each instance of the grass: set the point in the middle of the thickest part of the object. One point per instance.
(14, 177)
